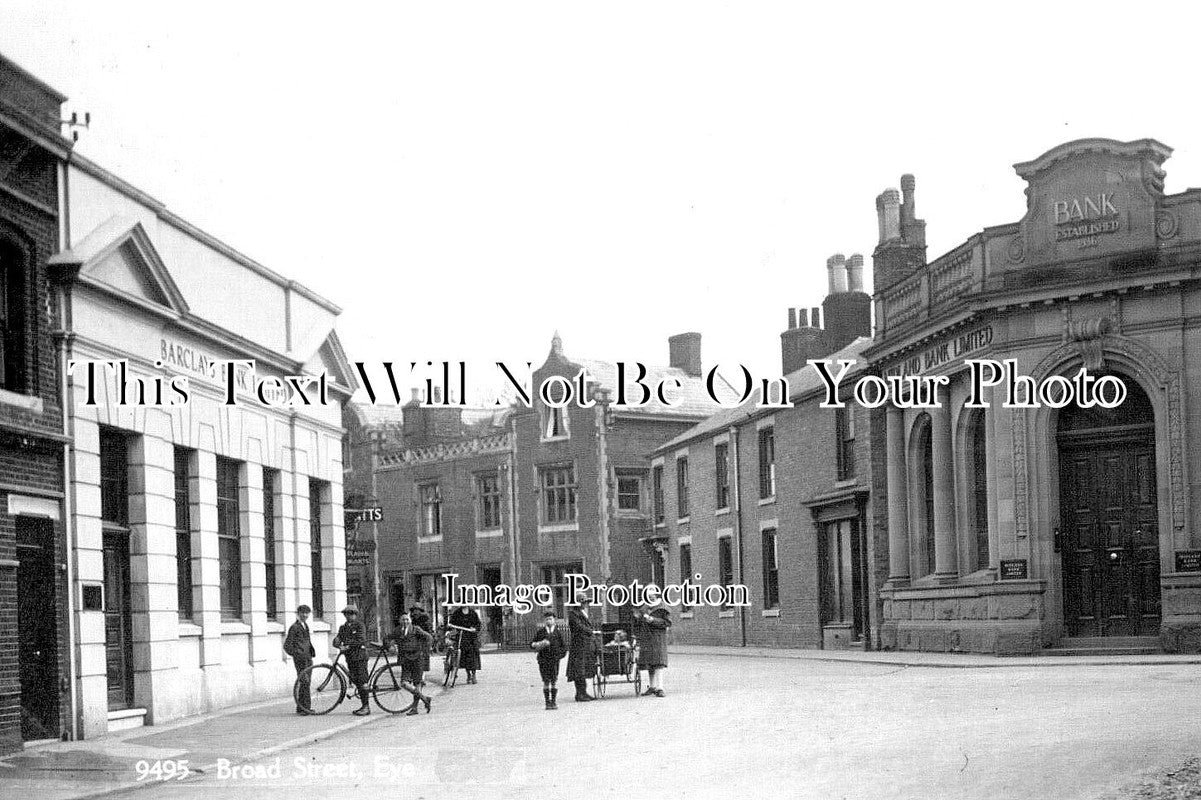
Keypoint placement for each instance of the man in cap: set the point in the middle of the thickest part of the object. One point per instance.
(299, 645)
(352, 640)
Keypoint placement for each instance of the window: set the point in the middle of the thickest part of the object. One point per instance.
(725, 563)
(844, 437)
(767, 462)
(489, 493)
(555, 576)
(682, 487)
(317, 490)
(658, 568)
(558, 495)
(183, 533)
(431, 510)
(554, 423)
(924, 470)
(721, 457)
(657, 489)
(270, 481)
(13, 305)
(978, 486)
(629, 491)
(229, 547)
(685, 570)
(114, 477)
(771, 572)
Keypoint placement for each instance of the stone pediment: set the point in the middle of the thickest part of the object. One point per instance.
(119, 256)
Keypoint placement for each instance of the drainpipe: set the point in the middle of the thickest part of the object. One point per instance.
(514, 527)
(738, 521)
(602, 459)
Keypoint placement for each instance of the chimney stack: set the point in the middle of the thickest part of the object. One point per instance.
(416, 394)
(802, 317)
(815, 317)
(908, 211)
(836, 266)
(685, 352)
(888, 208)
(791, 318)
(855, 273)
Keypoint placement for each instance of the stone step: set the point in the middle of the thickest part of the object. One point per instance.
(1100, 651)
(1105, 646)
(126, 719)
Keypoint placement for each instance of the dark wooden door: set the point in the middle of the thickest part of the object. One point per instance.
(1109, 538)
(118, 620)
(37, 628)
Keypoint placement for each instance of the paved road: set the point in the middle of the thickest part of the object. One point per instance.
(764, 728)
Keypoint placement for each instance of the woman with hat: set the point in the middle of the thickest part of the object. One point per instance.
(352, 640)
(469, 639)
(650, 626)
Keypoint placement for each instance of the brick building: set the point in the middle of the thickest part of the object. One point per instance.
(35, 622)
(1010, 529)
(778, 500)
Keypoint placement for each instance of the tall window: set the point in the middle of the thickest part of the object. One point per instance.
(767, 462)
(725, 563)
(721, 457)
(270, 481)
(316, 492)
(555, 576)
(558, 495)
(489, 493)
(229, 538)
(924, 469)
(685, 570)
(629, 491)
(13, 304)
(657, 490)
(554, 423)
(978, 487)
(682, 487)
(114, 477)
(771, 571)
(844, 437)
(183, 533)
(431, 510)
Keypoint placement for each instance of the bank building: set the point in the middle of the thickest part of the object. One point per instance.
(1011, 530)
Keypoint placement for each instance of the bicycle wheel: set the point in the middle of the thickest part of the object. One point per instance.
(451, 666)
(387, 690)
(326, 689)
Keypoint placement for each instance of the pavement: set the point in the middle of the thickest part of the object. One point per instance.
(777, 723)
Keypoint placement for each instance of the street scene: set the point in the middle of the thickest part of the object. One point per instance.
(648, 400)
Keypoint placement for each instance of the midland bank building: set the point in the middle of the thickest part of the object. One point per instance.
(1010, 530)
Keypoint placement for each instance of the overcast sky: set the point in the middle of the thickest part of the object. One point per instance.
(463, 179)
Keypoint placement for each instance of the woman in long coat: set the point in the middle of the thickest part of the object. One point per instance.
(651, 629)
(469, 641)
(581, 655)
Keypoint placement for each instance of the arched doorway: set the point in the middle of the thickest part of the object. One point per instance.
(1109, 532)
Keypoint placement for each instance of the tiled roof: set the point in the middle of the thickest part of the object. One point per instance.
(691, 399)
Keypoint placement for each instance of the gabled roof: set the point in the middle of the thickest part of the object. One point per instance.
(331, 359)
(801, 383)
(119, 256)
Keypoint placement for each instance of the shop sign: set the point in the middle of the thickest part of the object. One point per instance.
(942, 353)
(1188, 560)
(1014, 569)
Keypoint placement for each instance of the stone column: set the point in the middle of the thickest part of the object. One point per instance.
(286, 555)
(898, 500)
(254, 577)
(206, 573)
(946, 565)
(89, 562)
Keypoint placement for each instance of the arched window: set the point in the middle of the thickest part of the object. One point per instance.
(922, 469)
(977, 490)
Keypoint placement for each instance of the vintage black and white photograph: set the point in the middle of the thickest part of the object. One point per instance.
(599, 400)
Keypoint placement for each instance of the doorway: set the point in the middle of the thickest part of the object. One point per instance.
(1109, 535)
(118, 620)
(37, 628)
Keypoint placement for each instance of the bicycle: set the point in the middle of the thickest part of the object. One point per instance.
(328, 683)
(450, 660)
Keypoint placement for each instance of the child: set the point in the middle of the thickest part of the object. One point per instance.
(412, 645)
(548, 641)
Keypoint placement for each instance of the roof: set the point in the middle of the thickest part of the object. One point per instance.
(801, 382)
(691, 399)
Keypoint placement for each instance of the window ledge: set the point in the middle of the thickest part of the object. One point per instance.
(429, 539)
(767, 501)
(230, 626)
(319, 625)
(187, 628)
(843, 483)
(685, 615)
(770, 612)
(24, 401)
(556, 438)
(274, 626)
(629, 513)
(563, 527)
(721, 512)
(683, 520)
(725, 614)
(491, 533)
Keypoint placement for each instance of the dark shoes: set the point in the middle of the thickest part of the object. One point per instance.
(583, 698)
(649, 691)
(412, 712)
(303, 712)
(428, 704)
(362, 711)
(660, 693)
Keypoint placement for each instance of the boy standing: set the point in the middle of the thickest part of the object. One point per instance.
(412, 645)
(548, 641)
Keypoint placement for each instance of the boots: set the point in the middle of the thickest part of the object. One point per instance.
(554, 693)
(365, 709)
(581, 692)
(546, 694)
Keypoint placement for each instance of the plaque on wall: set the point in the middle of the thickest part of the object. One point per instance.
(1014, 569)
(1188, 560)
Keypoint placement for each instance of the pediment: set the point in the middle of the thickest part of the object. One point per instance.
(331, 359)
(120, 257)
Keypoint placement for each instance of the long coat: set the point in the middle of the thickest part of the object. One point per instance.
(422, 620)
(652, 638)
(581, 658)
(469, 643)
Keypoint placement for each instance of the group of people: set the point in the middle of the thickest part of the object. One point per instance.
(650, 630)
(413, 638)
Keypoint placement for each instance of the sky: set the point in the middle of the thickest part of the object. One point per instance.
(464, 179)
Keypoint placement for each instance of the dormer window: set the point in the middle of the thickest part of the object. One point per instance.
(554, 423)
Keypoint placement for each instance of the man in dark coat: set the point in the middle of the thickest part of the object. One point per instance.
(548, 641)
(412, 646)
(352, 640)
(299, 645)
(581, 659)
(469, 640)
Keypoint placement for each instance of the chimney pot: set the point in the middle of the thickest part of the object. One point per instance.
(855, 273)
(908, 209)
(685, 352)
(791, 318)
(836, 265)
(416, 394)
(888, 207)
(815, 317)
(802, 317)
